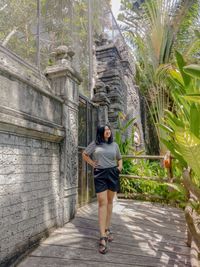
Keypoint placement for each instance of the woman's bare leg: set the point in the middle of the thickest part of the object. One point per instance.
(102, 211)
(110, 197)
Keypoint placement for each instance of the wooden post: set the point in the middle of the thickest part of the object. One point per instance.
(168, 165)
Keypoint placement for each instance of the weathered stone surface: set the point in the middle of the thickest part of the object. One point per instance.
(38, 151)
(64, 79)
(26, 92)
(100, 98)
(119, 91)
(29, 191)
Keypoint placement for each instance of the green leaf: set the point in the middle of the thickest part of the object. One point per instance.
(176, 76)
(181, 63)
(175, 122)
(128, 124)
(194, 120)
(193, 70)
(179, 188)
(192, 97)
(166, 128)
(171, 148)
(118, 138)
(190, 149)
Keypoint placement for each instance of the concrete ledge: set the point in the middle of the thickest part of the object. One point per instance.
(24, 124)
(61, 70)
(31, 82)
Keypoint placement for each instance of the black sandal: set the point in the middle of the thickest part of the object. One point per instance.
(109, 235)
(103, 248)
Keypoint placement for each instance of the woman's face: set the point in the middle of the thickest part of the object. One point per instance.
(107, 132)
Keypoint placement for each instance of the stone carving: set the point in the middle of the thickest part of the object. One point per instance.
(102, 40)
(100, 98)
(63, 54)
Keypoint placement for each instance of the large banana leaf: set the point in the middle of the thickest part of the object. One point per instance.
(171, 146)
(190, 149)
(173, 120)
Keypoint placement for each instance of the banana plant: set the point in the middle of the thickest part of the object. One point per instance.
(182, 125)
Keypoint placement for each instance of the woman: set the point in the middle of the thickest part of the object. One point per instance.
(107, 165)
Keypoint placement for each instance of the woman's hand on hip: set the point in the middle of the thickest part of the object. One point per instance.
(94, 163)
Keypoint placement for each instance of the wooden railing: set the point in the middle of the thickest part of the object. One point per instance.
(170, 173)
(169, 178)
(191, 215)
(192, 218)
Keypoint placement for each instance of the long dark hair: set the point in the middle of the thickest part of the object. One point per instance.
(100, 135)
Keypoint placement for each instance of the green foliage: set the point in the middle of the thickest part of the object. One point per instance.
(125, 144)
(154, 29)
(170, 193)
(163, 191)
(182, 126)
(144, 168)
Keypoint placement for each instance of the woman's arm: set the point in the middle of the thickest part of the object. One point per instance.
(93, 163)
(119, 162)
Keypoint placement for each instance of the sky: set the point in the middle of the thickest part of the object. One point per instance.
(115, 7)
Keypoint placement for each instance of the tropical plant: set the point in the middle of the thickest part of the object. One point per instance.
(143, 168)
(182, 126)
(153, 29)
(155, 191)
(124, 141)
(124, 126)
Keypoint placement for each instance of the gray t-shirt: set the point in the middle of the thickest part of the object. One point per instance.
(105, 154)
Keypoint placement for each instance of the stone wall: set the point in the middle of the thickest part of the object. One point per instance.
(38, 150)
(29, 191)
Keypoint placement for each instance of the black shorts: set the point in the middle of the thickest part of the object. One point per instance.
(106, 179)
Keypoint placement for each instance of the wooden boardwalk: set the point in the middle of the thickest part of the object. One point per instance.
(146, 234)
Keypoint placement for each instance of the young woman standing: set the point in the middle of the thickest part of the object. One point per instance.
(107, 165)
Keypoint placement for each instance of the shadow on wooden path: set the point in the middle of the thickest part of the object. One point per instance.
(146, 234)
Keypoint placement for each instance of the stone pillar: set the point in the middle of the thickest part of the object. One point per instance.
(65, 81)
(116, 71)
(100, 98)
(110, 72)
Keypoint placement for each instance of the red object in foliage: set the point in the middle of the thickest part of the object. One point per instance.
(167, 161)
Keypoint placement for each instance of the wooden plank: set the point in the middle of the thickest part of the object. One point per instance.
(132, 237)
(145, 235)
(59, 262)
(131, 176)
(144, 243)
(132, 228)
(135, 220)
(113, 257)
(142, 157)
(77, 239)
